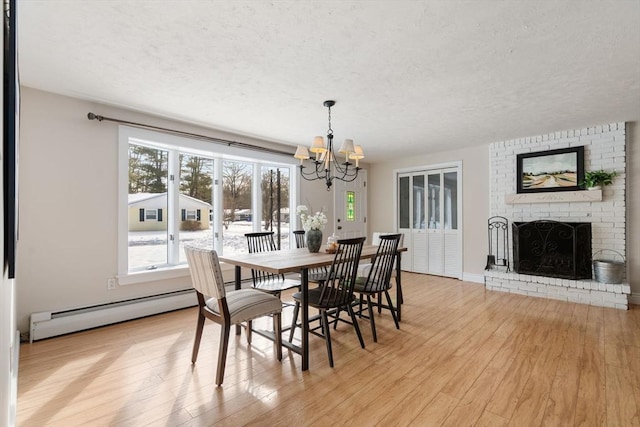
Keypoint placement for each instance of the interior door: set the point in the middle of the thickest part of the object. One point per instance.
(350, 204)
(428, 206)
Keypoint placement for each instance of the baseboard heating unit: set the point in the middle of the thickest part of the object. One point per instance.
(49, 324)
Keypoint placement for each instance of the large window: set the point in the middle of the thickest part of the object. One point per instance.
(176, 192)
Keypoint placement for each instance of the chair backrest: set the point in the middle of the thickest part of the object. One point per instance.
(262, 242)
(383, 263)
(375, 238)
(300, 241)
(206, 275)
(338, 288)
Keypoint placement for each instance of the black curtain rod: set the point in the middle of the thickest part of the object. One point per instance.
(229, 143)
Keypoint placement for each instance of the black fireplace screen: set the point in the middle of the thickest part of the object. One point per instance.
(552, 249)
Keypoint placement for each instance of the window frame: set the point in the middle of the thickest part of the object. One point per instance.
(146, 214)
(176, 144)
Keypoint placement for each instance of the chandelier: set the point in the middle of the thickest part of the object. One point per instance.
(325, 164)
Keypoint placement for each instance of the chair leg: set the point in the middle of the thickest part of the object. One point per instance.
(249, 329)
(277, 328)
(355, 324)
(379, 302)
(327, 336)
(372, 320)
(393, 312)
(196, 341)
(222, 353)
(292, 331)
(335, 324)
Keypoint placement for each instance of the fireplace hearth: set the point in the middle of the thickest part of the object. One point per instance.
(552, 249)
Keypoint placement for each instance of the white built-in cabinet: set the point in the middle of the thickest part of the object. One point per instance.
(429, 213)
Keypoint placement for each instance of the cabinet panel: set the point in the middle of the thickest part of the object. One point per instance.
(419, 252)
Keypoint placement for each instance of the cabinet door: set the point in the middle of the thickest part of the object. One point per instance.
(418, 226)
(452, 258)
(435, 239)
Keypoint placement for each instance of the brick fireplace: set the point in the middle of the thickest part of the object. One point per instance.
(604, 210)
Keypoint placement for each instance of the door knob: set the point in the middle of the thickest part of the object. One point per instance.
(339, 227)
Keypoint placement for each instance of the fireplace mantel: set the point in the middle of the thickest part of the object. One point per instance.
(555, 196)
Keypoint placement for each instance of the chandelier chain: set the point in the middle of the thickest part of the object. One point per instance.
(330, 131)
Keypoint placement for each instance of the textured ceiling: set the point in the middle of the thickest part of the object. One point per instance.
(407, 75)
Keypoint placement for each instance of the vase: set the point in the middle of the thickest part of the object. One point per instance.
(314, 240)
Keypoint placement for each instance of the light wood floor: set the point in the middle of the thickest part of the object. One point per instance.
(463, 356)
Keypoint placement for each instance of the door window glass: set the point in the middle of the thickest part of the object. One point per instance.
(404, 202)
(434, 201)
(418, 202)
(451, 200)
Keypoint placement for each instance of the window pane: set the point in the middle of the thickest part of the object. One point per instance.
(195, 202)
(147, 207)
(236, 193)
(451, 200)
(151, 214)
(275, 198)
(418, 201)
(434, 201)
(404, 202)
(351, 206)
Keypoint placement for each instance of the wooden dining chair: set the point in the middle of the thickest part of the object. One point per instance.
(336, 291)
(263, 280)
(227, 308)
(300, 241)
(364, 268)
(378, 281)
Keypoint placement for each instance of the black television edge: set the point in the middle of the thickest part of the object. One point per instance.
(11, 115)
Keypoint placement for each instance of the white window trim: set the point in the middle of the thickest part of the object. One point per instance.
(196, 147)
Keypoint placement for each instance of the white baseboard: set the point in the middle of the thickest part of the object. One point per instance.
(47, 324)
(634, 299)
(475, 278)
(13, 398)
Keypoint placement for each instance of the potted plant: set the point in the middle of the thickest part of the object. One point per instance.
(593, 180)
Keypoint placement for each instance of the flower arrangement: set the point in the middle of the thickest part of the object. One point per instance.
(311, 222)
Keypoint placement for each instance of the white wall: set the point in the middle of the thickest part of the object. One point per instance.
(67, 185)
(604, 148)
(64, 260)
(475, 199)
(633, 207)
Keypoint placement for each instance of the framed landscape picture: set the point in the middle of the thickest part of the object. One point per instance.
(551, 170)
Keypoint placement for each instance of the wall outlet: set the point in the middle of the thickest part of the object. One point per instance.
(111, 283)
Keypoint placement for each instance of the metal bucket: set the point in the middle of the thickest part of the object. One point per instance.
(606, 271)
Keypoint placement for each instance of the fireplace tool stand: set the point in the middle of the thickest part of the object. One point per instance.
(498, 257)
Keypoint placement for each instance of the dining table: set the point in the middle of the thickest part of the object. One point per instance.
(300, 260)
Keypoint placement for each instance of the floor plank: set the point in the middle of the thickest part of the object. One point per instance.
(462, 356)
